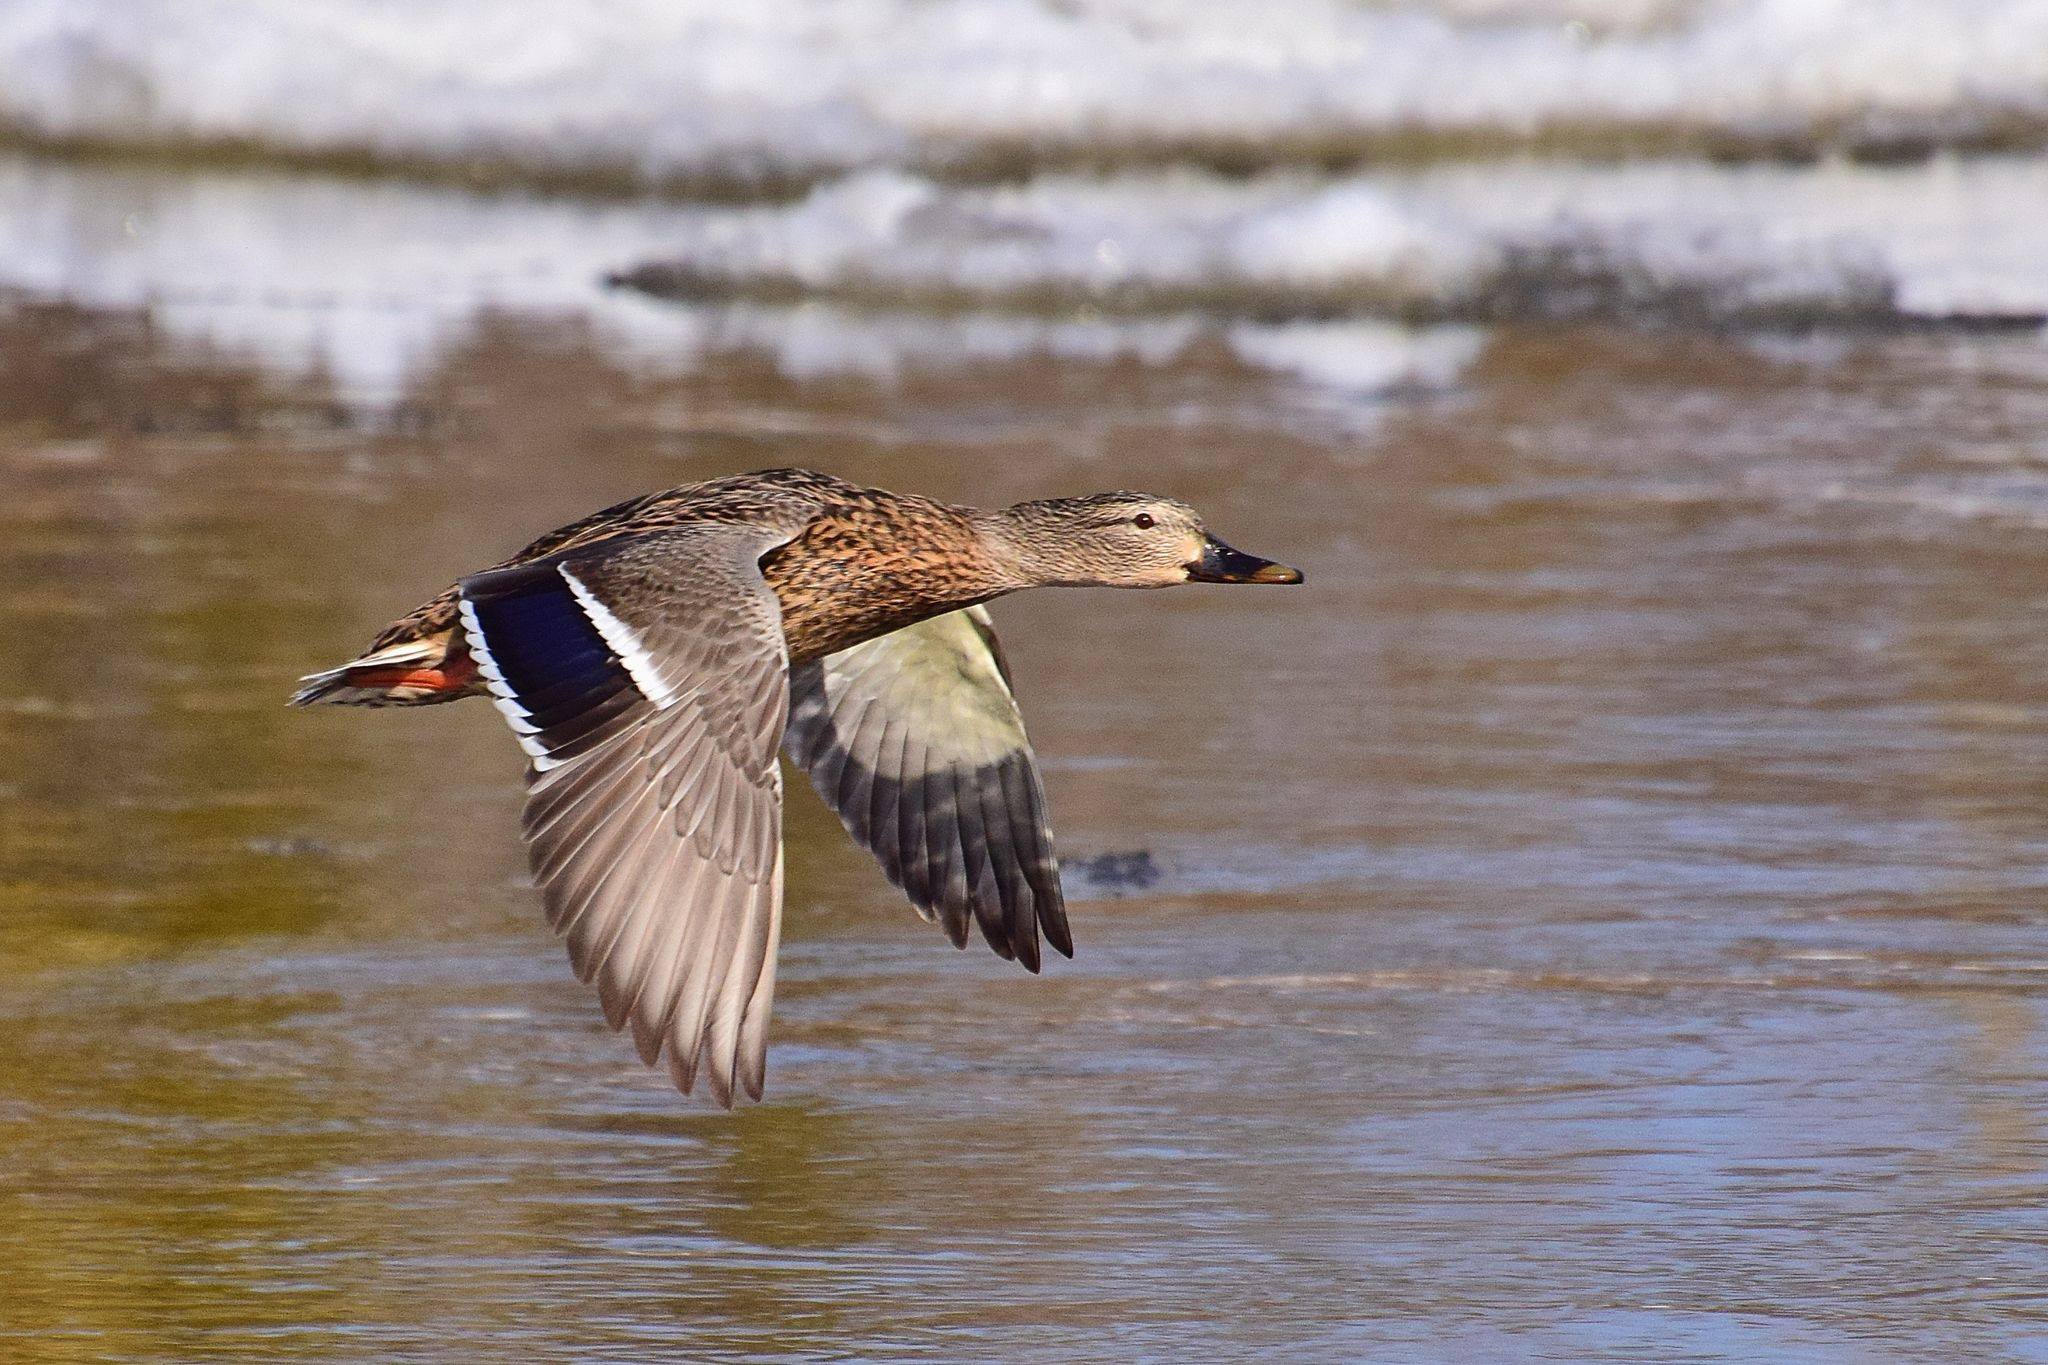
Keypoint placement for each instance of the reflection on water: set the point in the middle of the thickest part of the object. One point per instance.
(1599, 916)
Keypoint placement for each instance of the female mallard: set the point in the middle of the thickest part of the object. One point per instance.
(650, 658)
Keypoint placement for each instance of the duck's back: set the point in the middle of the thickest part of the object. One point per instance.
(865, 562)
(739, 498)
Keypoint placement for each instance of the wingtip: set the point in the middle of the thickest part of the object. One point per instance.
(617, 1003)
(1025, 946)
(1052, 922)
(719, 1087)
(719, 1084)
(682, 1071)
(646, 1042)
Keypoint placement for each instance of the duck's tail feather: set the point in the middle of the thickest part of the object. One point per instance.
(410, 673)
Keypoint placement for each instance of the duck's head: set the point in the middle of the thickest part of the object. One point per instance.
(1122, 540)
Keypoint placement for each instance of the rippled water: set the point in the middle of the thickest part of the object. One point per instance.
(1600, 916)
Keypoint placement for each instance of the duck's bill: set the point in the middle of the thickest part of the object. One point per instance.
(1221, 564)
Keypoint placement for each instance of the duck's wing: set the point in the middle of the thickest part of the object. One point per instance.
(648, 682)
(915, 740)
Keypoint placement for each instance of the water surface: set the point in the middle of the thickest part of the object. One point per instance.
(1600, 916)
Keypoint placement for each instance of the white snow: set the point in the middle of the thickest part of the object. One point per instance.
(1301, 277)
(681, 88)
(1677, 239)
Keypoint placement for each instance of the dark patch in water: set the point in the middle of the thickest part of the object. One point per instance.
(1118, 872)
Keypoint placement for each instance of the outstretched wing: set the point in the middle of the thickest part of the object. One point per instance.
(649, 685)
(915, 740)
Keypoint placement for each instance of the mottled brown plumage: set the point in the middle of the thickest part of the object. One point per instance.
(868, 561)
(649, 658)
(870, 565)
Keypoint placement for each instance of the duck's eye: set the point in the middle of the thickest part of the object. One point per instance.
(1143, 521)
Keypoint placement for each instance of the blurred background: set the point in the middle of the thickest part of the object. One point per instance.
(1599, 917)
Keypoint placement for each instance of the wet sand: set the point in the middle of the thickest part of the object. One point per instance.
(1600, 917)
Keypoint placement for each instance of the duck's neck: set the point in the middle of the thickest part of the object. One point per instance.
(1025, 548)
(1009, 559)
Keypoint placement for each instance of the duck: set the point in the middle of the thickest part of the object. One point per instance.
(653, 658)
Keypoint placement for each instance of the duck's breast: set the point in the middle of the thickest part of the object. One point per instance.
(862, 571)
